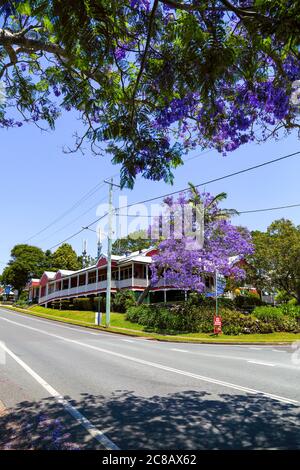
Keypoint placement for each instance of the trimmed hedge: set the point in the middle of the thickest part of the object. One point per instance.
(83, 303)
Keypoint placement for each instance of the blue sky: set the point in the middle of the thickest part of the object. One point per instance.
(39, 183)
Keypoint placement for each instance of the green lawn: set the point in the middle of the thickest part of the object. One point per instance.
(120, 325)
(116, 319)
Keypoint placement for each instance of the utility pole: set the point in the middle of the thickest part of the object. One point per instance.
(99, 244)
(109, 249)
(84, 254)
(216, 289)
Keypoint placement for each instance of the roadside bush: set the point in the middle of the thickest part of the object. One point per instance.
(102, 304)
(122, 300)
(291, 310)
(202, 300)
(83, 303)
(247, 302)
(191, 318)
(284, 318)
(66, 304)
(21, 303)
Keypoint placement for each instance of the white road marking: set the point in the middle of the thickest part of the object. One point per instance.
(256, 349)
(278, 350)
(179, 350)
(26, 316)
(128, 340)
(88, 426)
(162, 367)
(262, 363)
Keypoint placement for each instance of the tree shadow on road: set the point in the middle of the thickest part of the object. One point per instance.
(184, 420)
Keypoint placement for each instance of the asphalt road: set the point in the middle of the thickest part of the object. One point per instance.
(65, 387)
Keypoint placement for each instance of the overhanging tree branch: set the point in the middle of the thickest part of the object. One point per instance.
(143, 61)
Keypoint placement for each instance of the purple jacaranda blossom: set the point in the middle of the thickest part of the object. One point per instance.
(186, 263)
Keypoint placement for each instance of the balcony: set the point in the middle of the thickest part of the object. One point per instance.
(93, 289)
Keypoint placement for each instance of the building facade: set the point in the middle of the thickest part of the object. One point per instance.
(131, 272)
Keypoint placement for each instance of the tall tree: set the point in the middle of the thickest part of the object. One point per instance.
(185, 263)
(276, 258)
(26, 261)
(135, 241)
(65, 258)
(152, 79)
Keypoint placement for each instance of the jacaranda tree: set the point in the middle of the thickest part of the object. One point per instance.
(152, 79)
(182, 261)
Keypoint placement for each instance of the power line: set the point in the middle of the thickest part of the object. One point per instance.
(199, 155)
(67, 239)
(230, 175)
(74, 206)
(73, 220)
(239, 212)
(269, 209)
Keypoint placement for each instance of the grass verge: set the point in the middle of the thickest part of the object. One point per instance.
(121, 326)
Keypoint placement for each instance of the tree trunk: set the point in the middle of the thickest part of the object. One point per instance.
(144, 294)
(148, 288)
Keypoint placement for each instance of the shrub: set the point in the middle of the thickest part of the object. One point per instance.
(191, 318)
(102, 304)
(247, 302)
(188, 317)
(83, 303)
(21, 303)
(284, 318)
(202, 300)
(122, 300)
(66, 304)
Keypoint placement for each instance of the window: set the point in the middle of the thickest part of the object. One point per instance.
(74, 281)
(102, 275)
(140, 271)
(50, 288)
(82, 280)
(65, 284)
(92, 277)
(126, 273)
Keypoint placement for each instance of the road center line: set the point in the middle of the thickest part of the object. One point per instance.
(48, 321)
(179, 350)
(82, 420)
(161, 366)
(262, 363)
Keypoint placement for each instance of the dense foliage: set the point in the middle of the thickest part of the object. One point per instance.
(152, 79)
(65, 257)
(135, 241)
(193, 318)
(276, 258)
(182, 261)
(29, 261)
(26, 261)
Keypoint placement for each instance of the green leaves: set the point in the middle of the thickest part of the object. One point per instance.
(24, 8)
(122, 70)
